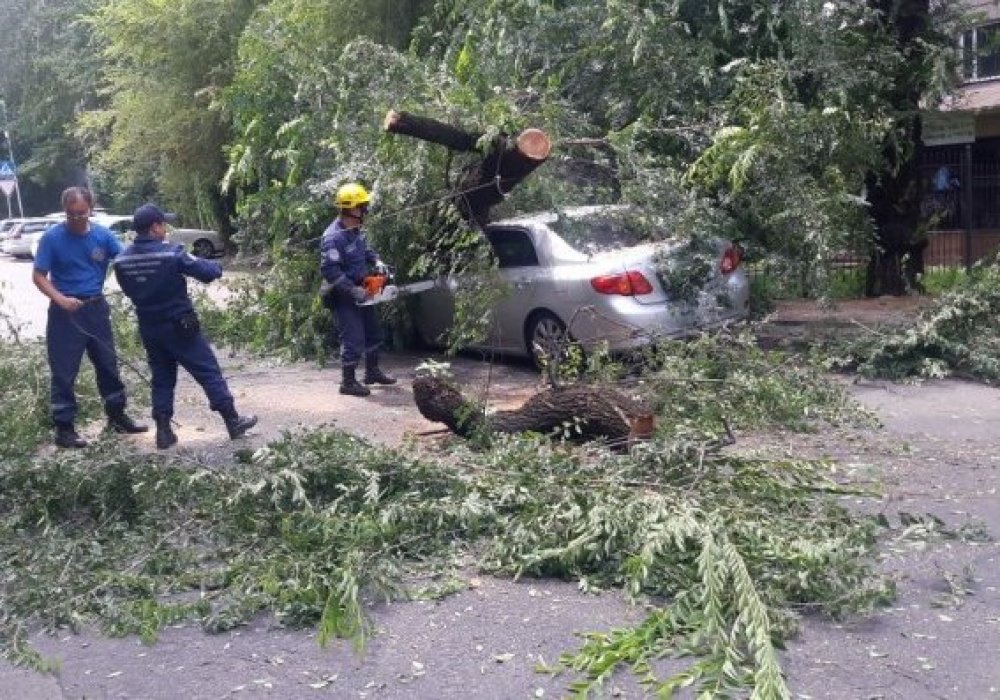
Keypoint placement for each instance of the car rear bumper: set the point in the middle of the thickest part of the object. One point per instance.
(622, 323)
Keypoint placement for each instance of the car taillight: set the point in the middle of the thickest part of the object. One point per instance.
(730, 260)
(631, 283)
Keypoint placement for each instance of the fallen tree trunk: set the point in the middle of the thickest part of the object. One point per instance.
(506, 161)
(591, 412)
(427, 129)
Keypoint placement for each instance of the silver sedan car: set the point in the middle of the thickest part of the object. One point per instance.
(584, 274)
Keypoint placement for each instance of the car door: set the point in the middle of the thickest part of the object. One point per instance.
(520, 267)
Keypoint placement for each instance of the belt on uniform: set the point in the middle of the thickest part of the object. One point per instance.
(84, 297)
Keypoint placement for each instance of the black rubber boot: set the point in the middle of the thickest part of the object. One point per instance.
(374, 373)
(350, 385)
(165, 435)
(236, 424)
(121, 423)
(66, 436)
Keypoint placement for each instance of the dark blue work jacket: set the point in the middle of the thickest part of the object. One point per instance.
(345, 256)
(152, 274)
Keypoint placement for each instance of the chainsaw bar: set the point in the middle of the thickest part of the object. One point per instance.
(394, 291)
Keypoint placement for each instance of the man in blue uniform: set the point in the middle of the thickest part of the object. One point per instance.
(151, 272)
(344, 261)
(70, 269)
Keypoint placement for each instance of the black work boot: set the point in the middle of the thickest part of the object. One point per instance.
(165, 435)
(374, 373)
(236, 424)
(121, 423)
(66, 436)
(350, 385)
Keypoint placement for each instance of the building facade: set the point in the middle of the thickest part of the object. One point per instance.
(961, 156)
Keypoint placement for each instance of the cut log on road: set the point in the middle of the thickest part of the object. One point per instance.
(599, 412)
(505, 163)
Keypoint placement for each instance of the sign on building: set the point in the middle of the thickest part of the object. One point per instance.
(948, 128)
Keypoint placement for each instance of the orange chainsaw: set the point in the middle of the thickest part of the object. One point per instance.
(380, 288)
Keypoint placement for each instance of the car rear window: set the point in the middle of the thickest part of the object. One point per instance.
(599, 233)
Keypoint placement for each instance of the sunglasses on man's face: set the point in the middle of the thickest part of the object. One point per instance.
(77, 216)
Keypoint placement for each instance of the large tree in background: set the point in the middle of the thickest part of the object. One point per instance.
(166, 64)
(895, 191)
(161, 134)
(48, 74)
(757, 120)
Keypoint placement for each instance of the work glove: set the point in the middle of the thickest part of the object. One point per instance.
(359, 294)
(381, 268)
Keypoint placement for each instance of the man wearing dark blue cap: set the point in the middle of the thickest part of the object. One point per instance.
(151, 272)
(70, 269)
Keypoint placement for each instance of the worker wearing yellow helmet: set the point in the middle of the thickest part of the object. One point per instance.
(345, 259)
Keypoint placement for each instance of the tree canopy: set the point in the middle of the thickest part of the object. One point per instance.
(771, 123)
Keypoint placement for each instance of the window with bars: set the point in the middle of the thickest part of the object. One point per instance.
(980, 49)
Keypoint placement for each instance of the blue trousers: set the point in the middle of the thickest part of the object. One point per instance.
(166, 350)
(67, 337)
(360, 332)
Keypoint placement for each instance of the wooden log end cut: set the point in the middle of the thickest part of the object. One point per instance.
(534, 144)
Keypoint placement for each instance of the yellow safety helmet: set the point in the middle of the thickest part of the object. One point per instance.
(351, 195)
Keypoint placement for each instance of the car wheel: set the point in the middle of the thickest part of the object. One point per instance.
(203, 248)
(547, 339)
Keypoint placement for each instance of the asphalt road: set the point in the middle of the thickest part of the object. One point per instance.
(20, 302)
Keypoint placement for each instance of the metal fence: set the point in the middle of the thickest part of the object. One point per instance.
(962, 201)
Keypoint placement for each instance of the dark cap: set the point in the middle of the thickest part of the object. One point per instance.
(148, 214)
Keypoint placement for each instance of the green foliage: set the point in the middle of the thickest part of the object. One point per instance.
(937, 281)
(161, 131)
(953, 337)
(319, 517)
(778, 278)
(24, 398)
(309, 526)
(25, 418)
(703, 386)
(280, 314)
(47, 73)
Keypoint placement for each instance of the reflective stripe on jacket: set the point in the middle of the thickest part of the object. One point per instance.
(152, 273)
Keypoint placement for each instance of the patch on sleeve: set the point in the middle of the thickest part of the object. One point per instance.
(333, 255)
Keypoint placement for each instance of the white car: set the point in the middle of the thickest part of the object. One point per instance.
(584, 274)
(201, 242)
(17, 242)
(6, 225)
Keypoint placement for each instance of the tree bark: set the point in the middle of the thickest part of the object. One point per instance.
(427, 129)
(505, 163)
(590, 412)
(895, 195)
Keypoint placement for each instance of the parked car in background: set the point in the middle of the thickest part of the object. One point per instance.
(201, 242)
(118, 224)
(18, 240)
(584, 275)
(6, 225)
